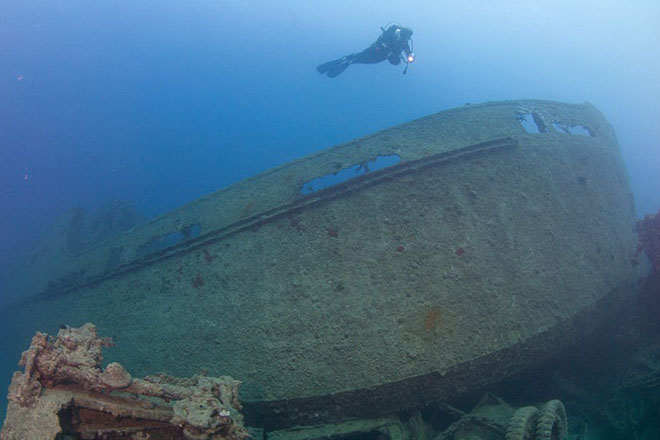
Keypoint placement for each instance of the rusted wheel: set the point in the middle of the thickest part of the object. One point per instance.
(521, 424)
(551, 421)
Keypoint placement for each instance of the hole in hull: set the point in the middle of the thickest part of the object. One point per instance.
(159, 243)
(579, 130)
(348, 173)
(532, 123)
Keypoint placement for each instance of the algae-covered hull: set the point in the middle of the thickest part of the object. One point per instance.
(479, 249)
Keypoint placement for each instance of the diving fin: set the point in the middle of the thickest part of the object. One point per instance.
(335, 67)
(326, 67)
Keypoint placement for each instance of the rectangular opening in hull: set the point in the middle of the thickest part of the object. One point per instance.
(579, 130)
(532, 123)
(159, 243)
(348, 173)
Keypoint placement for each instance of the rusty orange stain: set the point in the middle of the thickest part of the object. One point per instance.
(431, 318)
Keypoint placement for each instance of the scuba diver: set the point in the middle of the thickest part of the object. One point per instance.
(394, 40)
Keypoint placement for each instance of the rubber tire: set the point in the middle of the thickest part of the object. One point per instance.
(551, 422)
(521, 424)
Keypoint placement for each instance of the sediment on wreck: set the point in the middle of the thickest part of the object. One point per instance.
(460, 248)
(64, 391)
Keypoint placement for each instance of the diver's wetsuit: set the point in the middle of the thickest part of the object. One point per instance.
(394, 40)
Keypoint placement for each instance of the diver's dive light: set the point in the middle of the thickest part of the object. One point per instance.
(409, 59)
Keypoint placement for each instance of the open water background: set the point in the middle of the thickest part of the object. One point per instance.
(161, 102)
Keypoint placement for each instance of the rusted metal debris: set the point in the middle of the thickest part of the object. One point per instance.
(64, 391)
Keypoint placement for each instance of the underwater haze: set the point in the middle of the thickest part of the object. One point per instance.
(158, 103)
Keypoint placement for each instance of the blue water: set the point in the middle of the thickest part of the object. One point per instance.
(161, 102)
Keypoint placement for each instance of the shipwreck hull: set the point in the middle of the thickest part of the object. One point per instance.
(483, 249)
